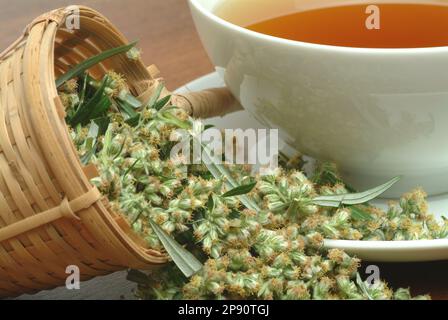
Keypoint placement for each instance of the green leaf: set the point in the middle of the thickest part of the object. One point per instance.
(162, 102)
(184, 260)
(91, 143)
(363, 286)
(87, 64)
(219, 171)
(131, 167)
(94, 108)
(93, 130)
(126, 109)
(82, 95)
(165, 149)
(132, 117)
(121, 149)
(326, 174)
(155, 97)
(238, 191)
(170, 118)
(103, 124)
(130, 100)
(134, 121)
(100, 109)
(354, 198)
(359, 214)
(211, 203)
(292, 209)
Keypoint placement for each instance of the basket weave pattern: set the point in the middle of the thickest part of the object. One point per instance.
(50, 215)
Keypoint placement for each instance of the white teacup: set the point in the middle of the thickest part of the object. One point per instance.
(377, 113)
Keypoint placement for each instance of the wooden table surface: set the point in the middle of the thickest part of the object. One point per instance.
(168, 39)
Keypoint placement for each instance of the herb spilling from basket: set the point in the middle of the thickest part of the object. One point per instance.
(231, 235)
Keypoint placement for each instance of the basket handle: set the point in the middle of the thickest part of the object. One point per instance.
(203, 104)
(66, 210)
(214, 102)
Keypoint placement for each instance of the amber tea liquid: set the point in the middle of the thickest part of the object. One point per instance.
(401, 25)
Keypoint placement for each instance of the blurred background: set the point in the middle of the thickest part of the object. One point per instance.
(164, 29)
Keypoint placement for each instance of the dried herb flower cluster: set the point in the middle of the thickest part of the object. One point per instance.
(262, 239)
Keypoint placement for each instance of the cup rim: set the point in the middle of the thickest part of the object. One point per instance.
(309, 45)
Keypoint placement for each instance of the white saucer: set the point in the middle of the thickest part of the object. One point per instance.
(380, 251)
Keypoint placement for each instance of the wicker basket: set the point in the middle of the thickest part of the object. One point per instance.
(50, 216)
